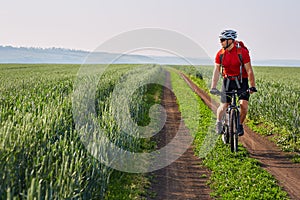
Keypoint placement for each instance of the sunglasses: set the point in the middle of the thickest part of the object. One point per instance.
(222, 40)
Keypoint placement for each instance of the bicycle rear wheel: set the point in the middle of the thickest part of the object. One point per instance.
(233, 131)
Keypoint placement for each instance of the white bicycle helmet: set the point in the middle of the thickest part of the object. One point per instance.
(228, 34)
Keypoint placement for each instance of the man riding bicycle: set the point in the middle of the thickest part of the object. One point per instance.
(237, 71)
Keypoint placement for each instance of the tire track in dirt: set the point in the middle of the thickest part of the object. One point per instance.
(270, 156)
(186, 178)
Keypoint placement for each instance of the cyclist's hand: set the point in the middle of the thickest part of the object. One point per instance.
(215, 91)
(252, 90)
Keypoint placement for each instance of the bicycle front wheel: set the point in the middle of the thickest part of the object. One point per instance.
(233, 131)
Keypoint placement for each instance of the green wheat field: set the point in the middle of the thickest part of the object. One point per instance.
(42, 156)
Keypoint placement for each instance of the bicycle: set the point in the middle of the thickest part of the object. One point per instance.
(231, 120)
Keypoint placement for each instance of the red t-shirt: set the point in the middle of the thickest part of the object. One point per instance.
(231, 62)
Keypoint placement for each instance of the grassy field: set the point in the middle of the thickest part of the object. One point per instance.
(41, 153)
(275, 109)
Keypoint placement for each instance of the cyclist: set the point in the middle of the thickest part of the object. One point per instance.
(232, 77)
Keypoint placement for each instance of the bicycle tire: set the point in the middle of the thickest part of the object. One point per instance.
(233, 131)
(225, 136)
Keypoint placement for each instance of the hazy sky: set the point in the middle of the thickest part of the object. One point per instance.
(270, 28)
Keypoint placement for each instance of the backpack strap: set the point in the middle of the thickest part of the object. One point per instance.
(239, 52)
(221, 60)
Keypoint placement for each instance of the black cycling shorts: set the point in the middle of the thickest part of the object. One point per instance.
(242, 95)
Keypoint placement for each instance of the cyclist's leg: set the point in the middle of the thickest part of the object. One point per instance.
(225, 100)
(221, 110)
(243, 110)
(243, 98)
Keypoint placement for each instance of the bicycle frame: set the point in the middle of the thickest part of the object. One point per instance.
(232, 120)
(233, 105)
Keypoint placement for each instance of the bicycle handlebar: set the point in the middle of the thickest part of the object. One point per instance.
(216, 92)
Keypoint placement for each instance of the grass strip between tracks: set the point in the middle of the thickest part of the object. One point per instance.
(125, 185)
(234, 175)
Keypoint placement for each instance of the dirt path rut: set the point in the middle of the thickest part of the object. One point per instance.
(185, 178)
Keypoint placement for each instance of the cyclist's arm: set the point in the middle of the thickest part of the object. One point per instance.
(215, 77)
(250, 73)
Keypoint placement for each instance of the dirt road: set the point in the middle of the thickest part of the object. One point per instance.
(185, 178)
